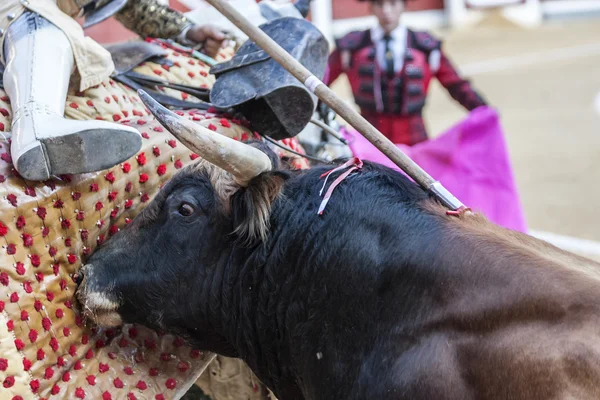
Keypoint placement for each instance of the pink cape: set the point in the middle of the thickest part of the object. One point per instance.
(470, 160)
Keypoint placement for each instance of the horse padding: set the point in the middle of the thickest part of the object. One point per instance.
(48, 229)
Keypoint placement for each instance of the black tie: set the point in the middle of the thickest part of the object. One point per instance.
(389, 56)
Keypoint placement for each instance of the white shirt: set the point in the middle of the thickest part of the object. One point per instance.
(397, 45)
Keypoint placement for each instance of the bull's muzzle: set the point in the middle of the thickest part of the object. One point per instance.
(99, 305)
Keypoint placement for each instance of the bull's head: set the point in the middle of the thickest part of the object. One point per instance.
(172, 251)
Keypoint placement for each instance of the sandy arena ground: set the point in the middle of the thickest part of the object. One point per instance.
(545, 82)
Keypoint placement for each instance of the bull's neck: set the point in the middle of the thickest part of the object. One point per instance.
(251, 322)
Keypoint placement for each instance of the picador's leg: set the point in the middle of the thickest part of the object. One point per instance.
(39, 63)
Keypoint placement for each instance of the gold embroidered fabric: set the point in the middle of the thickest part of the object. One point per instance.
(148, 18)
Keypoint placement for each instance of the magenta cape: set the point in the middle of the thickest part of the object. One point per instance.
(471, 161)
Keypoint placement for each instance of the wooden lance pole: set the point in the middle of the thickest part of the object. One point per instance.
(344, 110)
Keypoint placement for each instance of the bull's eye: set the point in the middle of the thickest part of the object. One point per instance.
(186, 210)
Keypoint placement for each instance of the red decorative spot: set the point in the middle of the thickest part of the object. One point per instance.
(103, 368)
(63, 284)
(100, 223)
(110, 177)
(65, 223)
(156, 151)
(26, 364)
(20, 268)
(41, 212)
(153, 372)
(158, 129)
(94, 187)
(52, 251)
(59, 313)
(9, 382)
(141, 385)
(195, 353)
(106, 396)
(212, 127)
(89, 103)
(21, 222)
(40, 354)
(84, 234)
(45, 231)
(161, 170)
(100, 344)
(14, 297)
(50, 296)
(127, 220)
(112, 196)
(29, 191)
(128, 203)
(33, 335)
(55, 268)
(125, 113)
(72, 258)
(3, 364)
(34, 385)
(115, 98)
(66, 377)
(171, 383)
(145, 135)
(100, 240)
(80, 216)
(79, 393)
(141, 158)
(19, 344)
(2, 304)
(99, 206)
(150, 344)
(113, 229)
(76, 196)
(224, 122)
(55, 390)
(194, 156)
(68, 242)
(4, 112)
(118, 383)
(54, 344)
(128, 370)
(24, 315)
(27, 287)
(58, 203)
(131, 396)
(39, 276)
(91, 379)
(138, 113)
(114, 212)
(89, 354)
(3, 229)
(11, 249)
(143, 178)
(4, 278)
(157, 71)
(197, 118)
(145, 198)
(204, 73)
(10, 325)
(133, 332)
(183, 366)
(12, 199)
(35, 260)
(159, 397)
(72, 350)
(27, 240)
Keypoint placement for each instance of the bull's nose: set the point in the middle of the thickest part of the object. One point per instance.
(98, 305)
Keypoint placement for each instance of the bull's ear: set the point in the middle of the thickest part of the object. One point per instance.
(251, 207)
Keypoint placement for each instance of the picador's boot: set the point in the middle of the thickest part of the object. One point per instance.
(39, 63)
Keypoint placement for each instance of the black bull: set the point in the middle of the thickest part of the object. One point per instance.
(384, 296)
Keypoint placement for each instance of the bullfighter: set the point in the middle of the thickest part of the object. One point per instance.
(44, 51)
(390, 68)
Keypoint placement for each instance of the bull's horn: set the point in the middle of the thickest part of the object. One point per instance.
(244, 162)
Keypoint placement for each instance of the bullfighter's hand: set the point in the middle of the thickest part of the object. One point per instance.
(211, 37)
